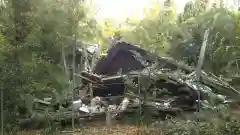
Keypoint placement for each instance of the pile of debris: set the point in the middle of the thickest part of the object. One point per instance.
(129, 77)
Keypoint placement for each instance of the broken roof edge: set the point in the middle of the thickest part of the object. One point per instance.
(205, 77)
(154, 57)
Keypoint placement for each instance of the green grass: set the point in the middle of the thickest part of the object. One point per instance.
(203, 123)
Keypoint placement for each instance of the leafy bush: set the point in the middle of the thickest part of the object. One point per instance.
(208, 124)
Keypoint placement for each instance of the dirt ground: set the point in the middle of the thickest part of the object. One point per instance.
(115, 130)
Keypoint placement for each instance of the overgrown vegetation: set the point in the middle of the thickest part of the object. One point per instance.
(34, 34)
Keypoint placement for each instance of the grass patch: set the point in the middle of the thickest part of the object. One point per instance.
(203, 123)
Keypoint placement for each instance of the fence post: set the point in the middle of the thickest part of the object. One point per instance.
(200, 63)
(108, 117)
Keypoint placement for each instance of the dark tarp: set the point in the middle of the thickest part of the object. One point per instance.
(125, 57)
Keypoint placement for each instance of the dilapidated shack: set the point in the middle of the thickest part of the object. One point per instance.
(129, 77)
(125, 60)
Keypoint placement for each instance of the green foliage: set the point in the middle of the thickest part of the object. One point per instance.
(222, 43)
(181, 37)
(34, 33)
(31, 39)
(153, 32)
(211, 126)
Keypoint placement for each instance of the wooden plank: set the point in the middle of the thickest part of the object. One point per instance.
(108, 118)
(42, 101)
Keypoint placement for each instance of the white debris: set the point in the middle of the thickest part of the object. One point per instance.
(124, 104)
(77, 104)
(95, 101)
(84, 108)
(112, 108)
(97, 109)
(47, 99)
(222, 97)
(136, 101)
(166, 104)
(95, 48)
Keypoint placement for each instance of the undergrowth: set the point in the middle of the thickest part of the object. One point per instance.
(218, 122)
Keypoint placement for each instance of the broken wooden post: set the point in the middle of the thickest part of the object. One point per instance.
(200, 63)
(91, 90)
(108, 117)
(154, 94)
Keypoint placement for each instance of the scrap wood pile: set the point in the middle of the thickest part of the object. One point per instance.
(130, 76)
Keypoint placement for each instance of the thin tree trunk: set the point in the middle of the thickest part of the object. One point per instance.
(2, 121)
(64, 62)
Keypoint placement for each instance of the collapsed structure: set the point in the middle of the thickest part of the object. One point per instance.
(129, 77)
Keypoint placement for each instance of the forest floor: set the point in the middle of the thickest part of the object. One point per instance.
(114, 130)
(117, 128)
